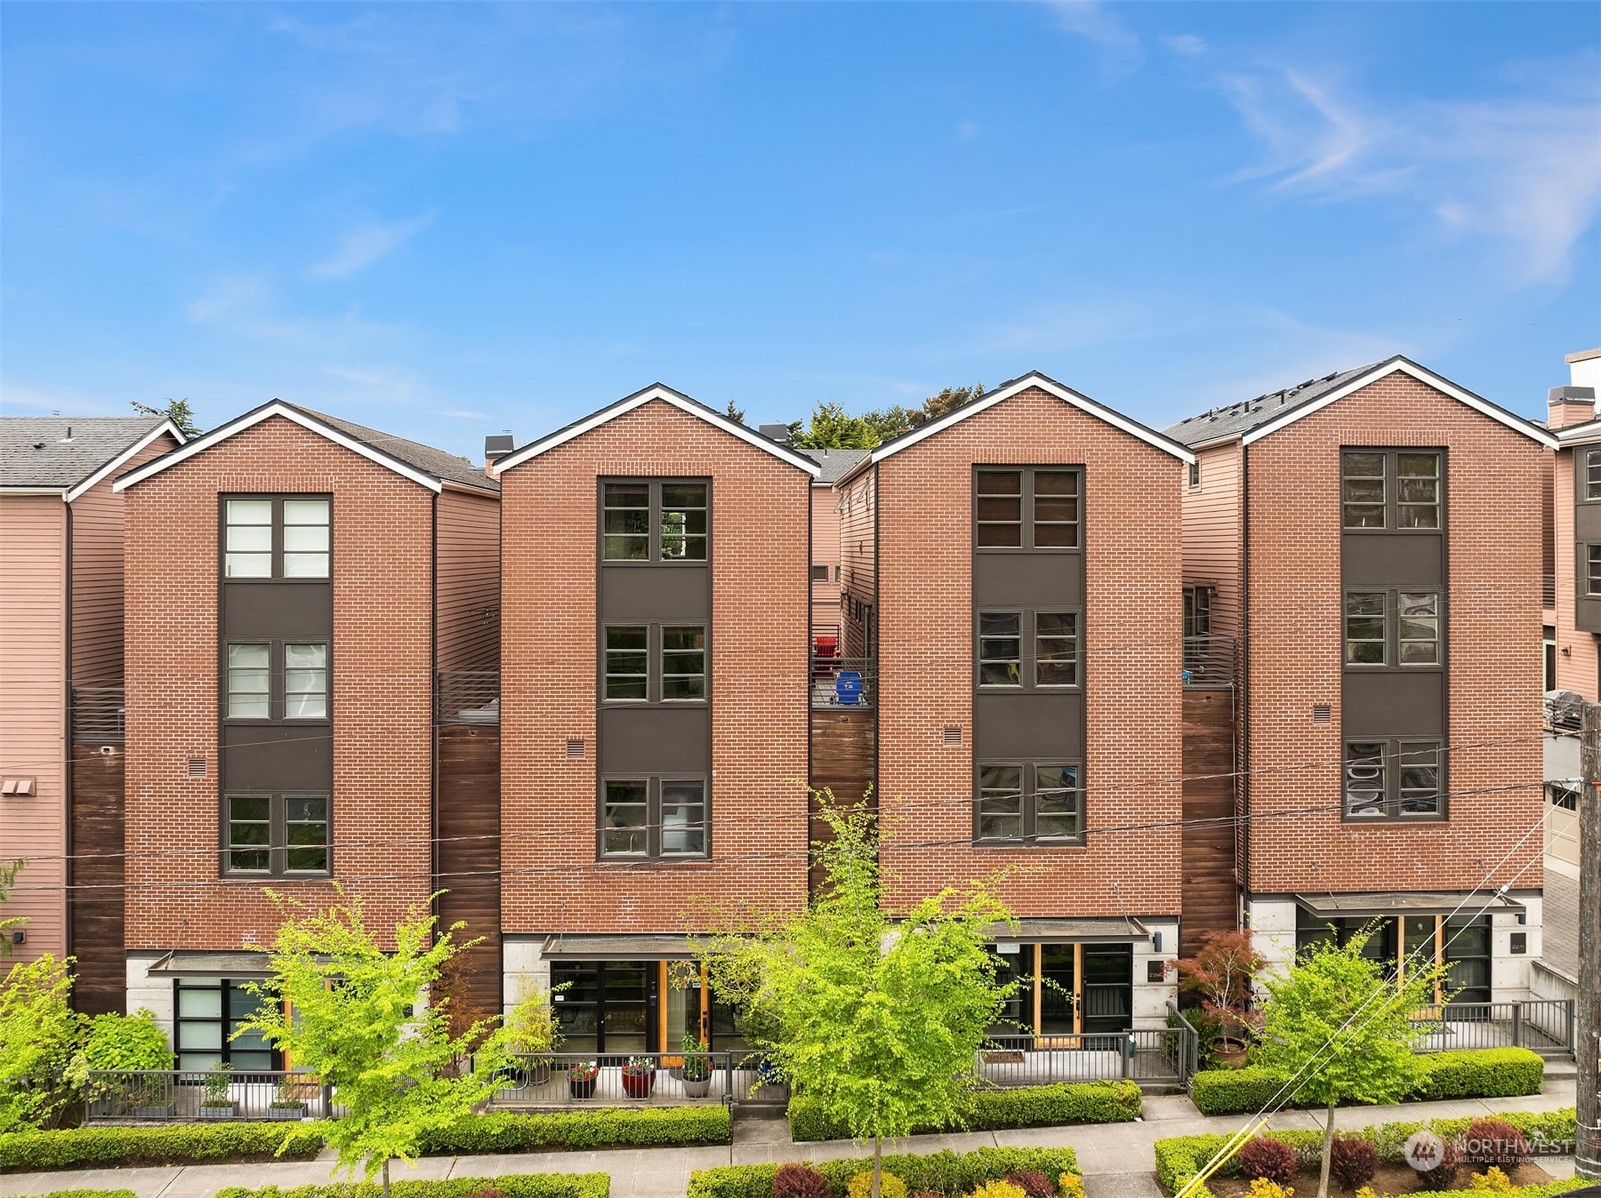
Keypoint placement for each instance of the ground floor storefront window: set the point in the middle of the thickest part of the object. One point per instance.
(618, 1007)
(1066, 988)
(1460, 943)
(209, 1012)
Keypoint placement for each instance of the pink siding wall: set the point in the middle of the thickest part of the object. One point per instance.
(825, 552)
(33, 706)
(1212, 534)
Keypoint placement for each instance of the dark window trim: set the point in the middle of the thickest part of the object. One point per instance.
(653, 854)
(1195, 473)
(225, 1054)
(277, 693)
(1586, 494)
(1198, 610)
(1028, 650)
(1392, 490)
(655, 642)
(277, 498)
(1029, 839)
(655, 483)
(1392, 631)
(1590, 579)
(1392, 752)
(277, 835)
(1026, 507)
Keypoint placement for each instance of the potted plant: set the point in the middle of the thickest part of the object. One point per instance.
(1221, 973)
(531, 1036)
(581, 1079)
(288, 1101)
(151, 1099)
(697, 1068)
(214, 1100)
(639, 1077)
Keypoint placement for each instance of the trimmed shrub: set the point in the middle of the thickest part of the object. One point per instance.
(1549, 1190)
(1033, 1183)
(606, 1127)
(90, 1194)
(1271, 1159)
(1352, 1161)
(1233, 1091)
(997, 1189)
(889, 1186)
(942, 1172)
(175, 1144)
(1494, 1142)
(1442, 1175)
(799, 1181)
(997, 1110)
(531, 1185)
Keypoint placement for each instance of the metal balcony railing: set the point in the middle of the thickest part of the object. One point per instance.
(467, 697)
(98, 714)
(1209, 661)
(1151, 1056)
(843, 683)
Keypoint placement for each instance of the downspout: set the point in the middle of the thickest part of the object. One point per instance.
(67, 796)
(1243, 777)
(433, 701)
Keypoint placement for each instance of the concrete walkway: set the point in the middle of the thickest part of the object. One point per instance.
(1116, 1157)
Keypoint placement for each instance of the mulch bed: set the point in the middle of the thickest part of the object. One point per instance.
(1390, 1179)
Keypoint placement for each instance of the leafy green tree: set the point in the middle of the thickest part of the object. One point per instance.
(879, 1020)
(950, 398)
(361, 1023)
(1344, 1031)
(734, 412)
(39, 1033)
(9, 924)
(177, 411)
(831, 428)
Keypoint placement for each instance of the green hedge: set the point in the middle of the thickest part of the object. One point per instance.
(529, 1185)
(943, 1172)
(995, 1110)
(1179, 1158)
(175, 1144)
(1546, 1191)
(621, 1127)
(1473, 1073)
(90, 1194)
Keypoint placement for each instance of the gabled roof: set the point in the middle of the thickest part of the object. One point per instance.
(835, 463)
(72, 454)
(423, 464)
(638, 399)
(1254, 419)
(1004, 392)
(1579, 434)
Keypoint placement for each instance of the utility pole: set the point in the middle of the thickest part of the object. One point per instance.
(1587, 1037)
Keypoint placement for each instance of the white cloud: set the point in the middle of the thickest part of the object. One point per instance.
(1119, 48)
(367, 244)
(1186, 45)
(463, 414)
(1523, 171)
(43, 402)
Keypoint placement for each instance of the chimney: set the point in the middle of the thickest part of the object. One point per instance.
(1569, 406)
(496, 448)
(775, 432)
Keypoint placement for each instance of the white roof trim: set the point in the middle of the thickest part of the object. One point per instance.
(639, 399)
(1034, 379)
(33, 492)
(116, 463)
(1425, 376)
(266, 412)
(1580, 434)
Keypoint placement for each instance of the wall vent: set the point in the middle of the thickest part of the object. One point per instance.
(1321, 713)
(953, 734)
(575, 750)
(197, 767)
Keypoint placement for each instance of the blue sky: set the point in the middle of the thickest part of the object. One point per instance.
(453, 221)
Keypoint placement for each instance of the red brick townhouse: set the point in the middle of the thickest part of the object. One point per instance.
(654, 707)
(61, 530)
(304, 597)
(1014, 567)
(1356, 534)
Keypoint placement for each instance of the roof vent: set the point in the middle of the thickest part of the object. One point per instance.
(67, 440)
(775, 432)
(498, 447)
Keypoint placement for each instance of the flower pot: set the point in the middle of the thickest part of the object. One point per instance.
(581, 1088)
(1229, 1053)
(208, 1111)
(539, 1074)
(697, 1089)
(639, 1085)
(286, 1112)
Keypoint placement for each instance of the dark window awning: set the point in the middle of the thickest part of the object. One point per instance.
(1087, 930)
(647, 946)
(1403, 902)
(245, 966)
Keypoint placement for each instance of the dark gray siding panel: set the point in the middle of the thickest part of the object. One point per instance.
(660, 594)
(1042, 724)
(1390, 703)
(1028, 580)
(1396, 559)
(277, 758)
(277, 610)
(654, 740)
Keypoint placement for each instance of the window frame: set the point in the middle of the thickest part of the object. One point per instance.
(1392, 762)
(277, 683)
(1029, 812)
(655, 532)
(1392, 502)
(277, 835)
(1028, 519)
(1592, 571)
(1393, 641)
(277, 551)
(655, 664)
(655, 831)
(1028, 650)
(1589, 471)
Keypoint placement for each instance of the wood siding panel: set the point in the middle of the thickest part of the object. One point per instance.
(858, 555)
(1210, 899)
(844, 748)
(1212, 534)
(469, 581)
(468, 869)
(33, 707)
(95, 905)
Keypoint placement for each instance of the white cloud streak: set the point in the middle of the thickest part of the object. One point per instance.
(1119, 48)
(369, 243)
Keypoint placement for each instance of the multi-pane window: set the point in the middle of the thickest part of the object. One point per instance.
(1592, 569)
(1035, 508)
(1382, 488)
(1393, 779)
(1028, 648)
(1197, 611)
(1028, 802)
(654, 520)
(209, 1015)
(653, 663)
(653, 817)
(1592, 474)
(1385, 628)
(276, 538)
(277, 834)
(277, 680)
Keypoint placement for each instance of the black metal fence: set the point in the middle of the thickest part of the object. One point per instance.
(1151, 1056)
(844, 683)
(1543, 1025)
(201, 1096)
(1209, 661)
(561, 1079)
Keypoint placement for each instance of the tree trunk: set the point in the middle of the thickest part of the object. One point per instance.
(386, 1177)
(878, 1162)
(1328, 1152)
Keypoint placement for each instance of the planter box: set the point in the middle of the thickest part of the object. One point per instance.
(639, 1086)
(165, 1111)
(217, 1111)
(285, 1114)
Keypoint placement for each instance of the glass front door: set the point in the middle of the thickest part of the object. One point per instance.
(607, 1006)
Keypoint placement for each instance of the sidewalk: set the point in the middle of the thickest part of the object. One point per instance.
(1116, 1157)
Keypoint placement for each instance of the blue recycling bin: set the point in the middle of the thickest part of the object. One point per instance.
(848, 686)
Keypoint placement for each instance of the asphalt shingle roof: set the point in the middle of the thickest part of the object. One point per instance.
(35, 450)
(1236, 420)
(835, 462)
(443, 465)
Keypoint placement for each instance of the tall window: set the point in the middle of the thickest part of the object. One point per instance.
(1592, 569)
(1592, 474)
(276, 538)
(1034, 508)
(1028, 649)
(654, 663)
(653, 817)
(276, 680)
(654, 520)
(1382, 488)
(1386, 628)
(1197, 611)
(1393, 779)
(277, 834)
(1028, 802)
(208, 1014)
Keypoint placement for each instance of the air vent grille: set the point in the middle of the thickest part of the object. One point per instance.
(197, 767)
(953, 734)
(575, 749)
